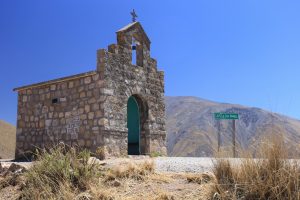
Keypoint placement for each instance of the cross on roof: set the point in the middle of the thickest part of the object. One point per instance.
(134, 16)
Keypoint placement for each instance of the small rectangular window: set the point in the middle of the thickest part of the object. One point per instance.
(55, 100)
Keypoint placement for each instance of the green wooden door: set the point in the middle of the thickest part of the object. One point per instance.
(133, 125)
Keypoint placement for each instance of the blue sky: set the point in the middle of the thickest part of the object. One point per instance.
(245, 52)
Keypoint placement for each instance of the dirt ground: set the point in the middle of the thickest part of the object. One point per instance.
(156, 186)
(9, 192)
(161, 184)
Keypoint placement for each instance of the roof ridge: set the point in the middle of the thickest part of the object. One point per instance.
(66, 78)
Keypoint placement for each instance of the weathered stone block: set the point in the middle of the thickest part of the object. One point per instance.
(87, 80)
(89, 93)
(68, 114)
(53, 87)
(62, 99)
(87, 108)
(88, 143)
(95, 107)
(92, 100)
(81, 142)
(82, 94)
(83, 116)
(55, 122)
(95, 77)
(91, 115)
(61, 114)
(71, 84)
(95, 128)
(103, 122)
(24, 98)
(41, 123)
(106, 91)
(80, 111)
(99, 114)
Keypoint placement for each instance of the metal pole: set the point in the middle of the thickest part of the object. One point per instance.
(219, 136)
(233, 139)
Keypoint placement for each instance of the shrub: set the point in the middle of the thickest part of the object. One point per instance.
(59, 172)
(272, 176)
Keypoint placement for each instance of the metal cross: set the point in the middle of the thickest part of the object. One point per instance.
(134, 16)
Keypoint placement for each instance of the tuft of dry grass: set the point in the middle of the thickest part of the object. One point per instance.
(200, 178)
(273, 176)
(59, 173)
(101, 153)
(165, 196)
(131, 170)
(11, 179)
(101, 192)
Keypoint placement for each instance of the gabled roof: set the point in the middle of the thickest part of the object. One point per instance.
(63, 79)
(134, 25)
(127, 27)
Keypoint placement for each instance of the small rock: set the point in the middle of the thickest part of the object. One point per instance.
(16, 168)
(116, 183)
(216, 196)
(93, 160)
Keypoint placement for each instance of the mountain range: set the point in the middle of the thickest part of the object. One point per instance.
(193, 131)
(7, 140)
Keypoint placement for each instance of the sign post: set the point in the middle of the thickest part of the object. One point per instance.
(233, 139)
(219, 135)
(227, 116)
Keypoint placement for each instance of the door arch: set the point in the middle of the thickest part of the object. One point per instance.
(133, 125)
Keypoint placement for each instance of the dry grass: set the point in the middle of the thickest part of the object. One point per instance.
(61, 173)
(65, 173)
(10, 180)
(126, 179)
(272, 176)
(200, 178)
(164, 196)
(101, 153)
(131, 170)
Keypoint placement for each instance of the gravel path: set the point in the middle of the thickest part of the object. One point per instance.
(162, 164)
(183, 164)
(8, 162)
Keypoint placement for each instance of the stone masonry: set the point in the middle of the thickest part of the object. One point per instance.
(90, 109)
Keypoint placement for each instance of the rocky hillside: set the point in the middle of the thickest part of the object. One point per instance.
(192, 131)
(7, 140)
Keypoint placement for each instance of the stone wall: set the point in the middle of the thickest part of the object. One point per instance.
(90, 109)
(68, 111)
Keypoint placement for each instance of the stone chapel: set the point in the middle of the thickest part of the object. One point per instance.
(120, 105)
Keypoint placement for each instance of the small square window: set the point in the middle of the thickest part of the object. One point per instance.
(55, 100)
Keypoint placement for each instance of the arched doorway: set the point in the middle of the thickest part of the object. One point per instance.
(133, 125)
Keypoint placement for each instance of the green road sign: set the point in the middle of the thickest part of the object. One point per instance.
(219, 116)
